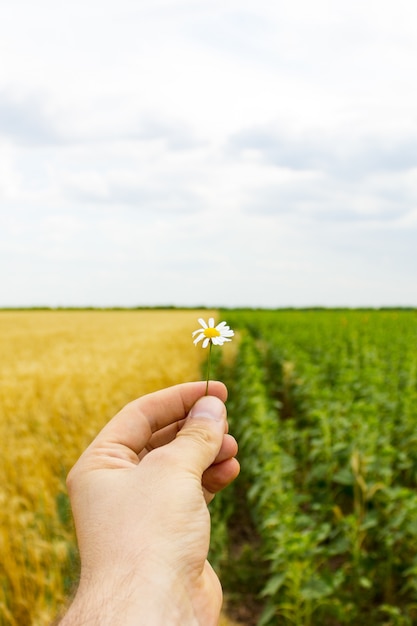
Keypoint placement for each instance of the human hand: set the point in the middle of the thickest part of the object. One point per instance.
(139, 495)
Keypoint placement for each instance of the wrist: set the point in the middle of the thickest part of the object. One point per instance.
(128, 599)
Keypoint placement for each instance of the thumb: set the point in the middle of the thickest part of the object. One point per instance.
(199, 440)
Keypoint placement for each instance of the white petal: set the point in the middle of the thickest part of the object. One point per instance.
(211, 322)
(202, 322)
(206, 342)
(199, 338)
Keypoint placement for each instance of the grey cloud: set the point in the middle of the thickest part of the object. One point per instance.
(147, 200)
(352, 157)
(324, 199)
(335, 178)
(278, 149)
(176, 134)
(26, 121)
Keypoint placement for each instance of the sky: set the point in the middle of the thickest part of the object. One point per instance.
(234, 153)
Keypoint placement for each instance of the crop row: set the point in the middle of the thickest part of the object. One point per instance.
(322, 523)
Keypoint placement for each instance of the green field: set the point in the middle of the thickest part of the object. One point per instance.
(321, 526)
(319, 529)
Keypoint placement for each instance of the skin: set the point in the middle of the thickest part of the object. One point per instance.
(139, 496)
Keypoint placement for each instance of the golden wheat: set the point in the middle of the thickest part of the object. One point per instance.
(62, 376)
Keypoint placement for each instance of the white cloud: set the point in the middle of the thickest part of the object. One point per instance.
(195, 151)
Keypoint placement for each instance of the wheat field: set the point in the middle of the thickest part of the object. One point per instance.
(63, 374)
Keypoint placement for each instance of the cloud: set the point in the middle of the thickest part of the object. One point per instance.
(331, 177)
(190, 151)
(345, 156)
(175, 133)
(124, 191)
(32, 119)
(323, 199)
(26, 121)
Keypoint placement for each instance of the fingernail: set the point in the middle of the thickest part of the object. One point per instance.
(208, 406)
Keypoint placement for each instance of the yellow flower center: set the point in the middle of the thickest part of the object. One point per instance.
(211, 332)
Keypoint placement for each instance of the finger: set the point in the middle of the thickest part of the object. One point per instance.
(167, 434)
(134, 425)
(200, 440)
(219, 476)
(229, 449)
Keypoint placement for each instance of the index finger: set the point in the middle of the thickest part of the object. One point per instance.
(135, 424)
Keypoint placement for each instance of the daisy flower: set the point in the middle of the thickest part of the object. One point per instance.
(211, 334)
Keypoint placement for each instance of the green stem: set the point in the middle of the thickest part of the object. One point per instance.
(208, 368)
